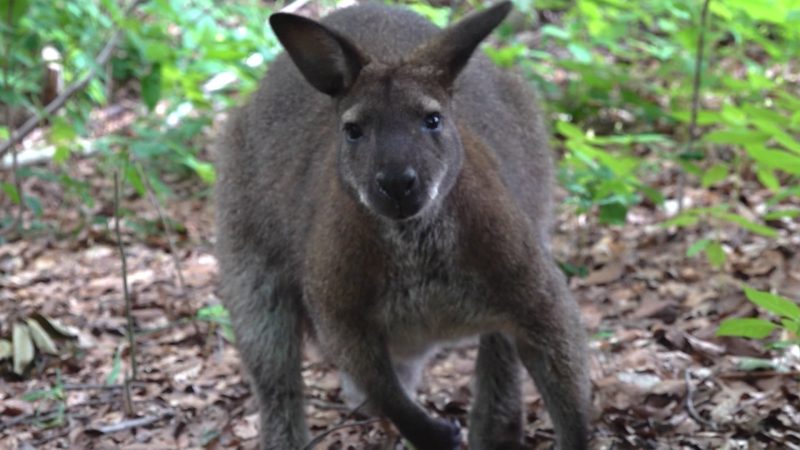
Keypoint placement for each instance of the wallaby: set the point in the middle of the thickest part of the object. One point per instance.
(385, 190)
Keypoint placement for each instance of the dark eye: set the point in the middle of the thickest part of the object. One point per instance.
(352, 131)
(433, 121)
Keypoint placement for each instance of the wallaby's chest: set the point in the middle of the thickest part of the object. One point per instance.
(428, 293)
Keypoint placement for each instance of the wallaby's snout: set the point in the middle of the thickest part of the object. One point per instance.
(400, 188)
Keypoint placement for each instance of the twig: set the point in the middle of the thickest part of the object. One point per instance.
(342, 424)
(759, 374)
(102, 58)
(690, 403)
(170, 239)
(698, 66)
(128, 307)
(325, 405)
(359, 423)
(100, 387)
(130, 423)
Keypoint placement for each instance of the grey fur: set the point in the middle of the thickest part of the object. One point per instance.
(307, 241)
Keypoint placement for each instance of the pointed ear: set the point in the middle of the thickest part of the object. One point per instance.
(327, 60)
(450, 50)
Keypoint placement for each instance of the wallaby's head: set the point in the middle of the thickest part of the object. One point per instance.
(399, 146)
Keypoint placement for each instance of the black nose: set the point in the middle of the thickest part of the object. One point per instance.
(397, 185)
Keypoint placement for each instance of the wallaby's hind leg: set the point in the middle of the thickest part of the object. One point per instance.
(268, 320)
(495, 421)
(552, 347)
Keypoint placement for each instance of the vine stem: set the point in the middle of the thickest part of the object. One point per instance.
(126, 294)
(17, 222)
(698, 66)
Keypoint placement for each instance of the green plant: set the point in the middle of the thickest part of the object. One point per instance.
(219, 316)
(786, 317)
(717, 215)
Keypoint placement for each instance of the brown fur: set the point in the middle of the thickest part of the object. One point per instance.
(307, 236)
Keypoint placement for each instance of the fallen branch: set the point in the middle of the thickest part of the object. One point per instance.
(690, 404)
(320, 437)
(130, 423)
(34, 121)
(342, 424)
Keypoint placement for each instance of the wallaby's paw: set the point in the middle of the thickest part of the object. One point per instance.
(451, 434)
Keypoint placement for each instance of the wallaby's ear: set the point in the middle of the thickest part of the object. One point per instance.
(450, 50)
(329, 61)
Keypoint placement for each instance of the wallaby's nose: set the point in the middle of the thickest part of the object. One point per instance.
(397, 185)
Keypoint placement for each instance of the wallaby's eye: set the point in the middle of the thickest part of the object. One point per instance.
(433, 121)
(352, 131)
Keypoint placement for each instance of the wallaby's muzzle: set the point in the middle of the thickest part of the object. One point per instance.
(400, 194)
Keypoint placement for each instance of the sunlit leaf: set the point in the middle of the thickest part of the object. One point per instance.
(775, 304)
(715, 254)
(697, 247)
(714, 175)
(749, 327)
(747, 224)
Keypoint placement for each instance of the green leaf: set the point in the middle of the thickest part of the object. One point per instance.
(61, 155)
(782, 214)
(780, 306)
(34, 204)
(570, 131)
(18, 9)
(151, 87)
(749, 327)
(738, 136)
(62, 132)
(790, 325)
(682, 220)
(768, 179)
(11, 191)
(132, 177)
(581, 53)
(613, 213)
(156, 51)
(653, 195)
(715, 254)
(746, 224)
(774, 159)
(203, 169)
(714, 175)
(697, 247)
(4, 134)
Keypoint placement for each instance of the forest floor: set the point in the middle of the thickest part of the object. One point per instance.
(661, 377)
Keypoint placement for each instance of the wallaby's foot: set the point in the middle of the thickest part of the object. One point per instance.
(449, 437)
